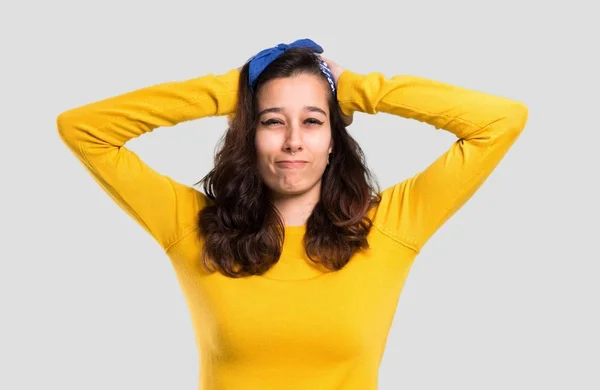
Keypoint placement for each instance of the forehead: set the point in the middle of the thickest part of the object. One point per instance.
(294, 92)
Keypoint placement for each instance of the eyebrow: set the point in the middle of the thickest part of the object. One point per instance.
(280, 110)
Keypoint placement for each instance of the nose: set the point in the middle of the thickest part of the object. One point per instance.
(293, 139)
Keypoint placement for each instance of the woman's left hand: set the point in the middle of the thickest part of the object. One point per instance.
(336, 71)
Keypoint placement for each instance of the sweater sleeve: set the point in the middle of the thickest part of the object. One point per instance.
(96, 134)
(486, 126)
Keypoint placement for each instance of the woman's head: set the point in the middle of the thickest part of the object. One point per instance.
(293, 113)
(293, 137)
(287, 138)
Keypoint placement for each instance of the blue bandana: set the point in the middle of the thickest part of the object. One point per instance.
(260, 61)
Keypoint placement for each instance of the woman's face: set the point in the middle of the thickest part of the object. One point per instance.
(293, 137)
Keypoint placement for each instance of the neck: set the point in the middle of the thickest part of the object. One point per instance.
(295, 209)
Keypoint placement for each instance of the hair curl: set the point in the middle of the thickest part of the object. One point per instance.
(243, 232)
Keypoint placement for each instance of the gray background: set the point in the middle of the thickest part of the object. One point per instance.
(504, 296)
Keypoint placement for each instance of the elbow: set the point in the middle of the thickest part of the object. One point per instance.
(62, 122)
(510, 123)
(65, 124)
(517, 117)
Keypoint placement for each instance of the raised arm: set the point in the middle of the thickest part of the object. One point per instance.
(486, 127)
(96, 133)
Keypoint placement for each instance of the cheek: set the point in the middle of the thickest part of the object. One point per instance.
(266, 145)
(318, 144)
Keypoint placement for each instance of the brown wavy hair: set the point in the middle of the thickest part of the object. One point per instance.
(243, 232)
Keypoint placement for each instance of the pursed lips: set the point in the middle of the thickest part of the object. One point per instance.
(291, 163)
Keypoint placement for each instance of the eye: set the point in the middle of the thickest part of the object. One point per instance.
(313, 121)
(270, 122)
(310, 121)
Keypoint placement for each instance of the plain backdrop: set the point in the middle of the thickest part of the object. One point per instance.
(504, 296)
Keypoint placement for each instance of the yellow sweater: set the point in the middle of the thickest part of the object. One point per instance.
(295, 327)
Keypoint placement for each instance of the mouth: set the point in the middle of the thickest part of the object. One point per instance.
(291, 163)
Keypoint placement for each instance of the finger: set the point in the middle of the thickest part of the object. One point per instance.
(347, 119)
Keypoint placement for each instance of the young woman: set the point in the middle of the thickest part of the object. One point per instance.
(291, 261)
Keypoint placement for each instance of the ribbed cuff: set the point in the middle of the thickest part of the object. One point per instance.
(347, 89)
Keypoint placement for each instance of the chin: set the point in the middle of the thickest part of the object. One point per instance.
(290, 191)
(291, 185)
